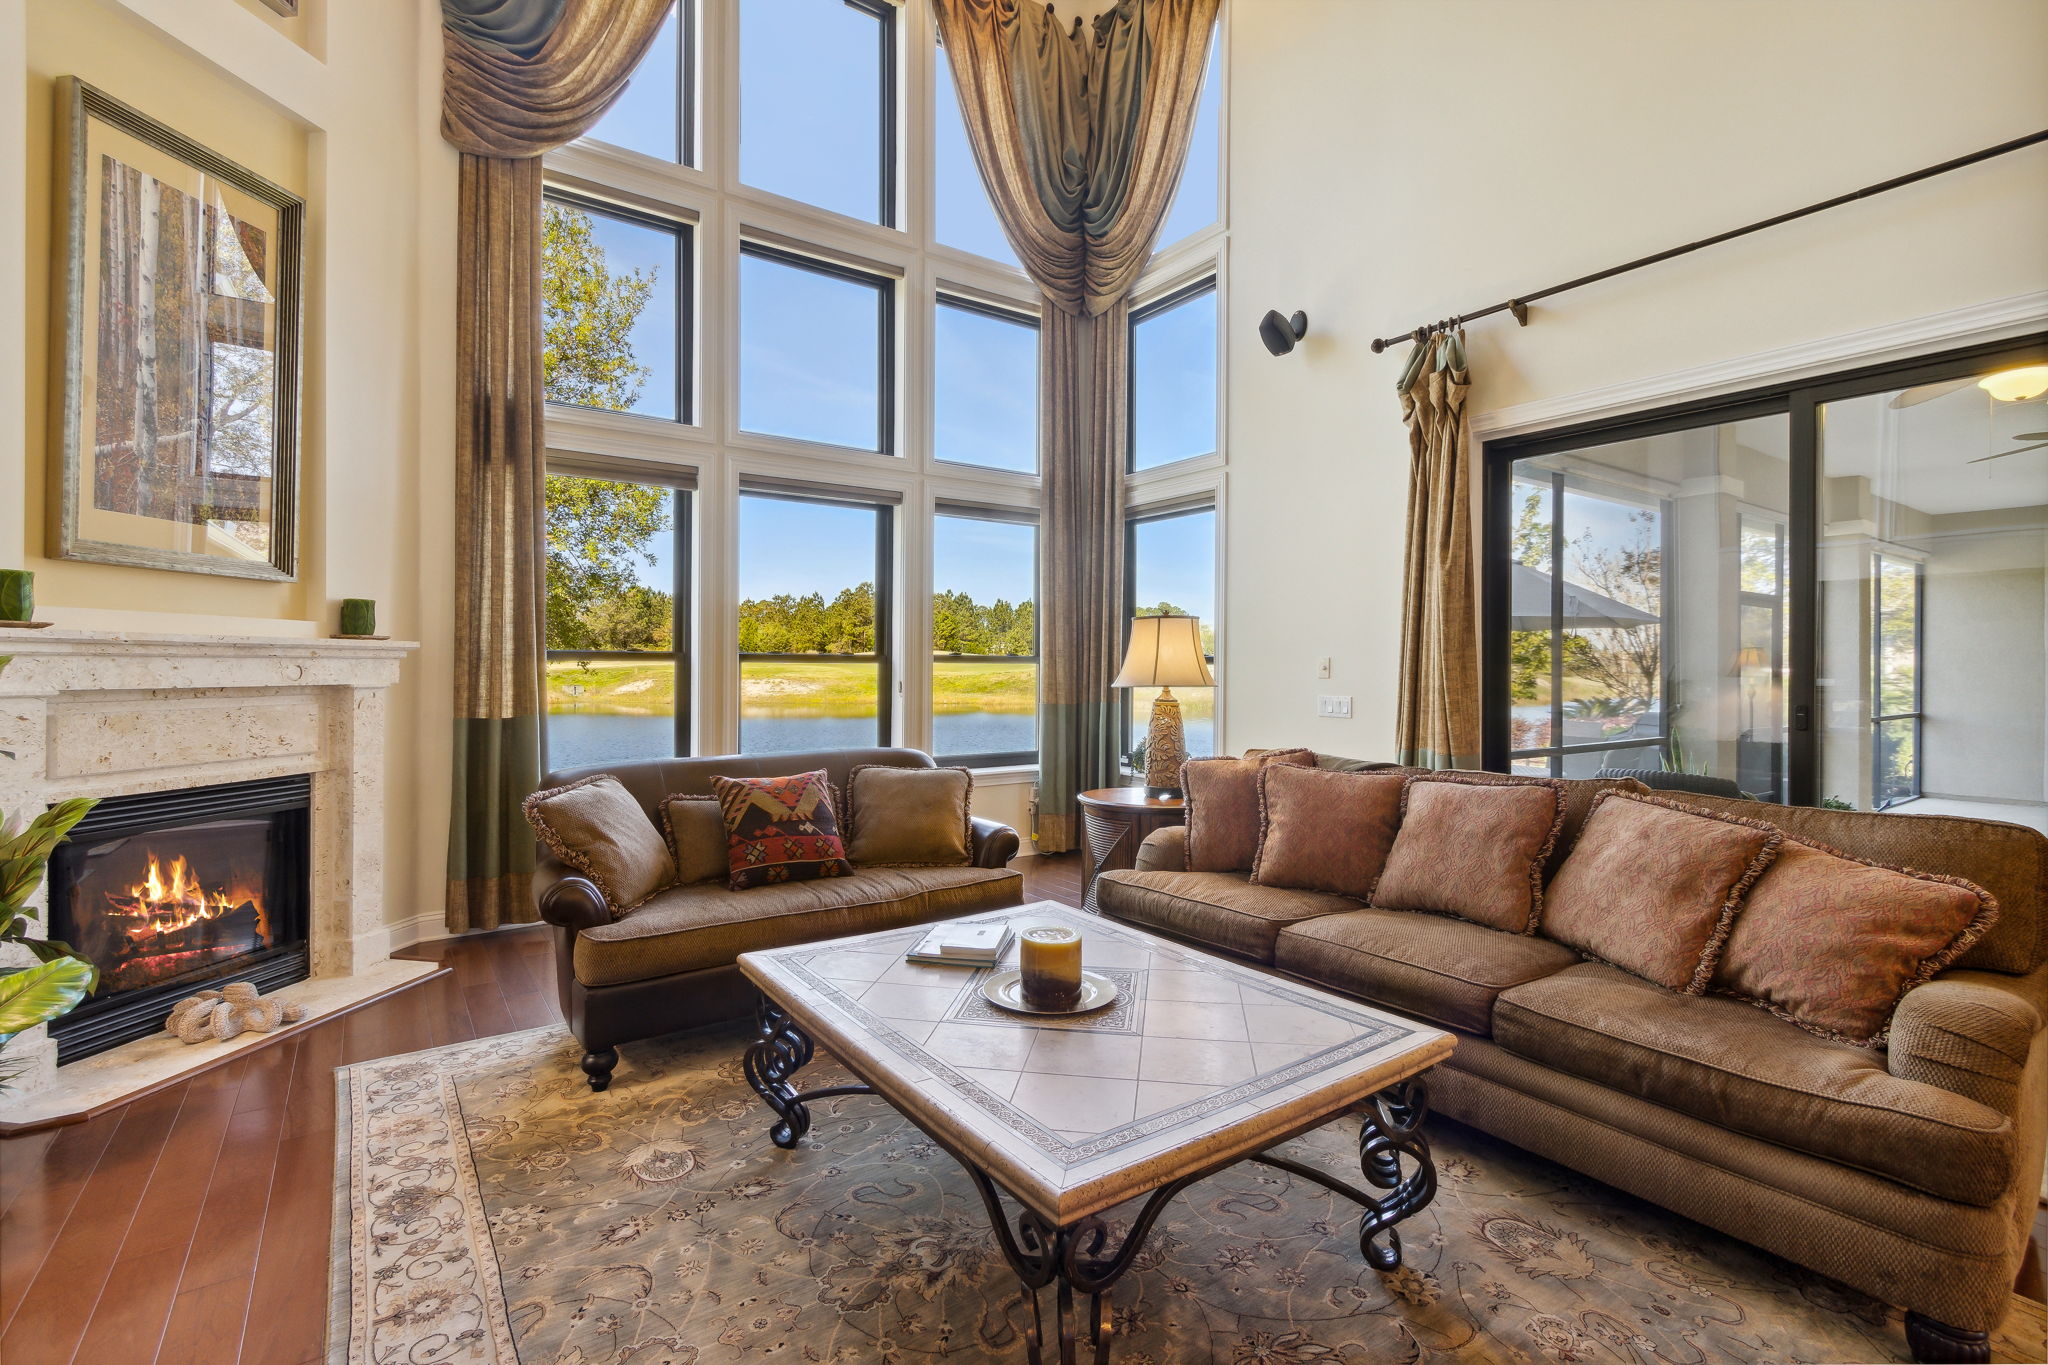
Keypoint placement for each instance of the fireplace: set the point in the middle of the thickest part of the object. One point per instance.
(174, 892)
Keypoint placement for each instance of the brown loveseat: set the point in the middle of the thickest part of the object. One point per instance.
(1910, 1173)
(668, 963)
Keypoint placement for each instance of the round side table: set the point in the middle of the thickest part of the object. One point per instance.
(1114, 821)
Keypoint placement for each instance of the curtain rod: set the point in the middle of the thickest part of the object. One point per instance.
(1519, 305)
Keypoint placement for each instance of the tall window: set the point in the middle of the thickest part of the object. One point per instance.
(817, 343)
(1195, 201)
(1897, 589)
(985, 387)
(655, 116)
(818, 103)
(1173, 377)
(966, 219)
(813, 624)
(614, 299)
(984, 639)
(1170, 569)
(618, 623)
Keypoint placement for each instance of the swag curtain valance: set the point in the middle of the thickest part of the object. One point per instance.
(521, 77)
(1080, 133)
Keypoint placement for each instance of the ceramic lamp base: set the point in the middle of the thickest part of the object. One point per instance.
(1166, 745)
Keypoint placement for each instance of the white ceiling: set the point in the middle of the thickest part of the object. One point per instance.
(1919, 456)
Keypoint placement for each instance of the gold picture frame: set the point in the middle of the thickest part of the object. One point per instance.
(177, 320)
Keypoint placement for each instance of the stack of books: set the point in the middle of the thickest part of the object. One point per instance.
(962, 945)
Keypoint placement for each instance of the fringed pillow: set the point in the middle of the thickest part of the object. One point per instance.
(596, 826)
(1473, 845)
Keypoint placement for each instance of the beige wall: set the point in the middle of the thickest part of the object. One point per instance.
(1394, 161)
(338, 105)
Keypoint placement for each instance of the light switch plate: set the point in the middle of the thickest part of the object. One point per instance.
(1322, 668)
(1336, 707)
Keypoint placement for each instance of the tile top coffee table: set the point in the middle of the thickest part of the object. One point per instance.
(1198, 1064)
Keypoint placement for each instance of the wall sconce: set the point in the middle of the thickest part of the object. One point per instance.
(1280, 333)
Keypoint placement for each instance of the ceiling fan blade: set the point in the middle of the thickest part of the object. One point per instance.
(2032, 436)
(2020, 450)
(1927, 393)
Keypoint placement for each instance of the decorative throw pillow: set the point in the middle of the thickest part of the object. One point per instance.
(1653, 886)
(695, 829)
(595, 826)
(909, 817)
(1325, 831)
(1832, 943)
(1473, 845)
(779, 829)
(1222, 811)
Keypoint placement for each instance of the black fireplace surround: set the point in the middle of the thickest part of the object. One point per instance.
(174, 892)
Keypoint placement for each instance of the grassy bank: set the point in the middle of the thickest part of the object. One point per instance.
(650, 688)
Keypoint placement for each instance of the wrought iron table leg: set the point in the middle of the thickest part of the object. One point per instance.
(779, 1051)
(1392, 1130)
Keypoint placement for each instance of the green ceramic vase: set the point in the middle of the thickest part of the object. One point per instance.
(358, 616)
(17, 595)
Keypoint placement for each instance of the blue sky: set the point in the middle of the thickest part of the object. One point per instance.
(985, 390)
(809, 354)
(645, 118)
(1173, 383)
(962, 215)
(811, 104)
(803, 547)
(633, 247)
(986, 560)
(1175, 561)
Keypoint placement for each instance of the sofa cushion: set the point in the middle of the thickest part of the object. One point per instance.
(1325, 831)
(1222, 815)
(909, 817)
(1473, 845)
(1831, 943)
(780, 829)
(1428, 967)
(688, 928)
(1731, 1064)
(695, 830)
(1221, 909)
(2009, 861)
(595, 826)
(1653, 886)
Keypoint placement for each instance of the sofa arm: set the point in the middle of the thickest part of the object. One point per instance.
(1164, 850)
(1969, 1033)
(567, 900)
(994, 843)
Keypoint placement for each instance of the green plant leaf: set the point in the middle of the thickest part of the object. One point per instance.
(38, 994)
(51, 950)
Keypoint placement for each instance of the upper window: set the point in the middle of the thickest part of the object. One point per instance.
(1173, 377)
(618, 603)
(1195, 201)
(984, 640)
(1170, 570)
(964, 218)
(816, 345)
(985, 387)
(613, 306)
(818, 102)
(814, 624)
(652, 117)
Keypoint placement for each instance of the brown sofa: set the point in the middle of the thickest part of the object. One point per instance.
(1910, 1173)
(668, 963)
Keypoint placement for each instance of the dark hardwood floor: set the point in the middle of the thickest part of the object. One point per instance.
(190, 1227)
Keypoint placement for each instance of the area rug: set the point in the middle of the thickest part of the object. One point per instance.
(490, 1208)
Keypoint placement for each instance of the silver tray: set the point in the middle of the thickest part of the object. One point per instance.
(1006, 990)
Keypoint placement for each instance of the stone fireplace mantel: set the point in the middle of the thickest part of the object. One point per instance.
(85, 713)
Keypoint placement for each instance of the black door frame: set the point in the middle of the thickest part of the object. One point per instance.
(1800, 401)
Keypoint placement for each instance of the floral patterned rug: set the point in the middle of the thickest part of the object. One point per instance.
(491, 1209)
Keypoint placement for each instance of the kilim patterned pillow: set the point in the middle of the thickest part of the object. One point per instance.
(780, 829)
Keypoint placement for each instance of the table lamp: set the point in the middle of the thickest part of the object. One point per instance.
(1165, 652)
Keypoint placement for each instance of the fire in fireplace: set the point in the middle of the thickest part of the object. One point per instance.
(171, 892)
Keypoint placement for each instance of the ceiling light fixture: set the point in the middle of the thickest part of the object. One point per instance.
(1280, 333)
(2016, 385)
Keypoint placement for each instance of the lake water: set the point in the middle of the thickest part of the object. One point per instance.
(579, 739)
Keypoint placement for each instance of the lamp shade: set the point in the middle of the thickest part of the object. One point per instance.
(1166, 651)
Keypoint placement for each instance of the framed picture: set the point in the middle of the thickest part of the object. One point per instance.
(288, 8)
(176, 446)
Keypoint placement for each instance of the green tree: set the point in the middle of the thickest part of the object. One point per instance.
(598, 530)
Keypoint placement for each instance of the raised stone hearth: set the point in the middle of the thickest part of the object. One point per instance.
(95, 714)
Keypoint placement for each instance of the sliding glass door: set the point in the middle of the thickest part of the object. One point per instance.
(1832, 593)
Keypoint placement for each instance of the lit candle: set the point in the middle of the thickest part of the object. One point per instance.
(1050, 956)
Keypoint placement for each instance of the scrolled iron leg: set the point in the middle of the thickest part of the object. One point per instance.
(1392, 1130)
(779, 1051)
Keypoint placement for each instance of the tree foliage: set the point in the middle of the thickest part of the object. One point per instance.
(810, 624)
(587, 316)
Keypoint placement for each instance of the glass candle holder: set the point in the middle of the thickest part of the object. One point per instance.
(17, 595)
(1050, 959)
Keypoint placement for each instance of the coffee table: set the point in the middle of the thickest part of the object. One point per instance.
(1198, 1064)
